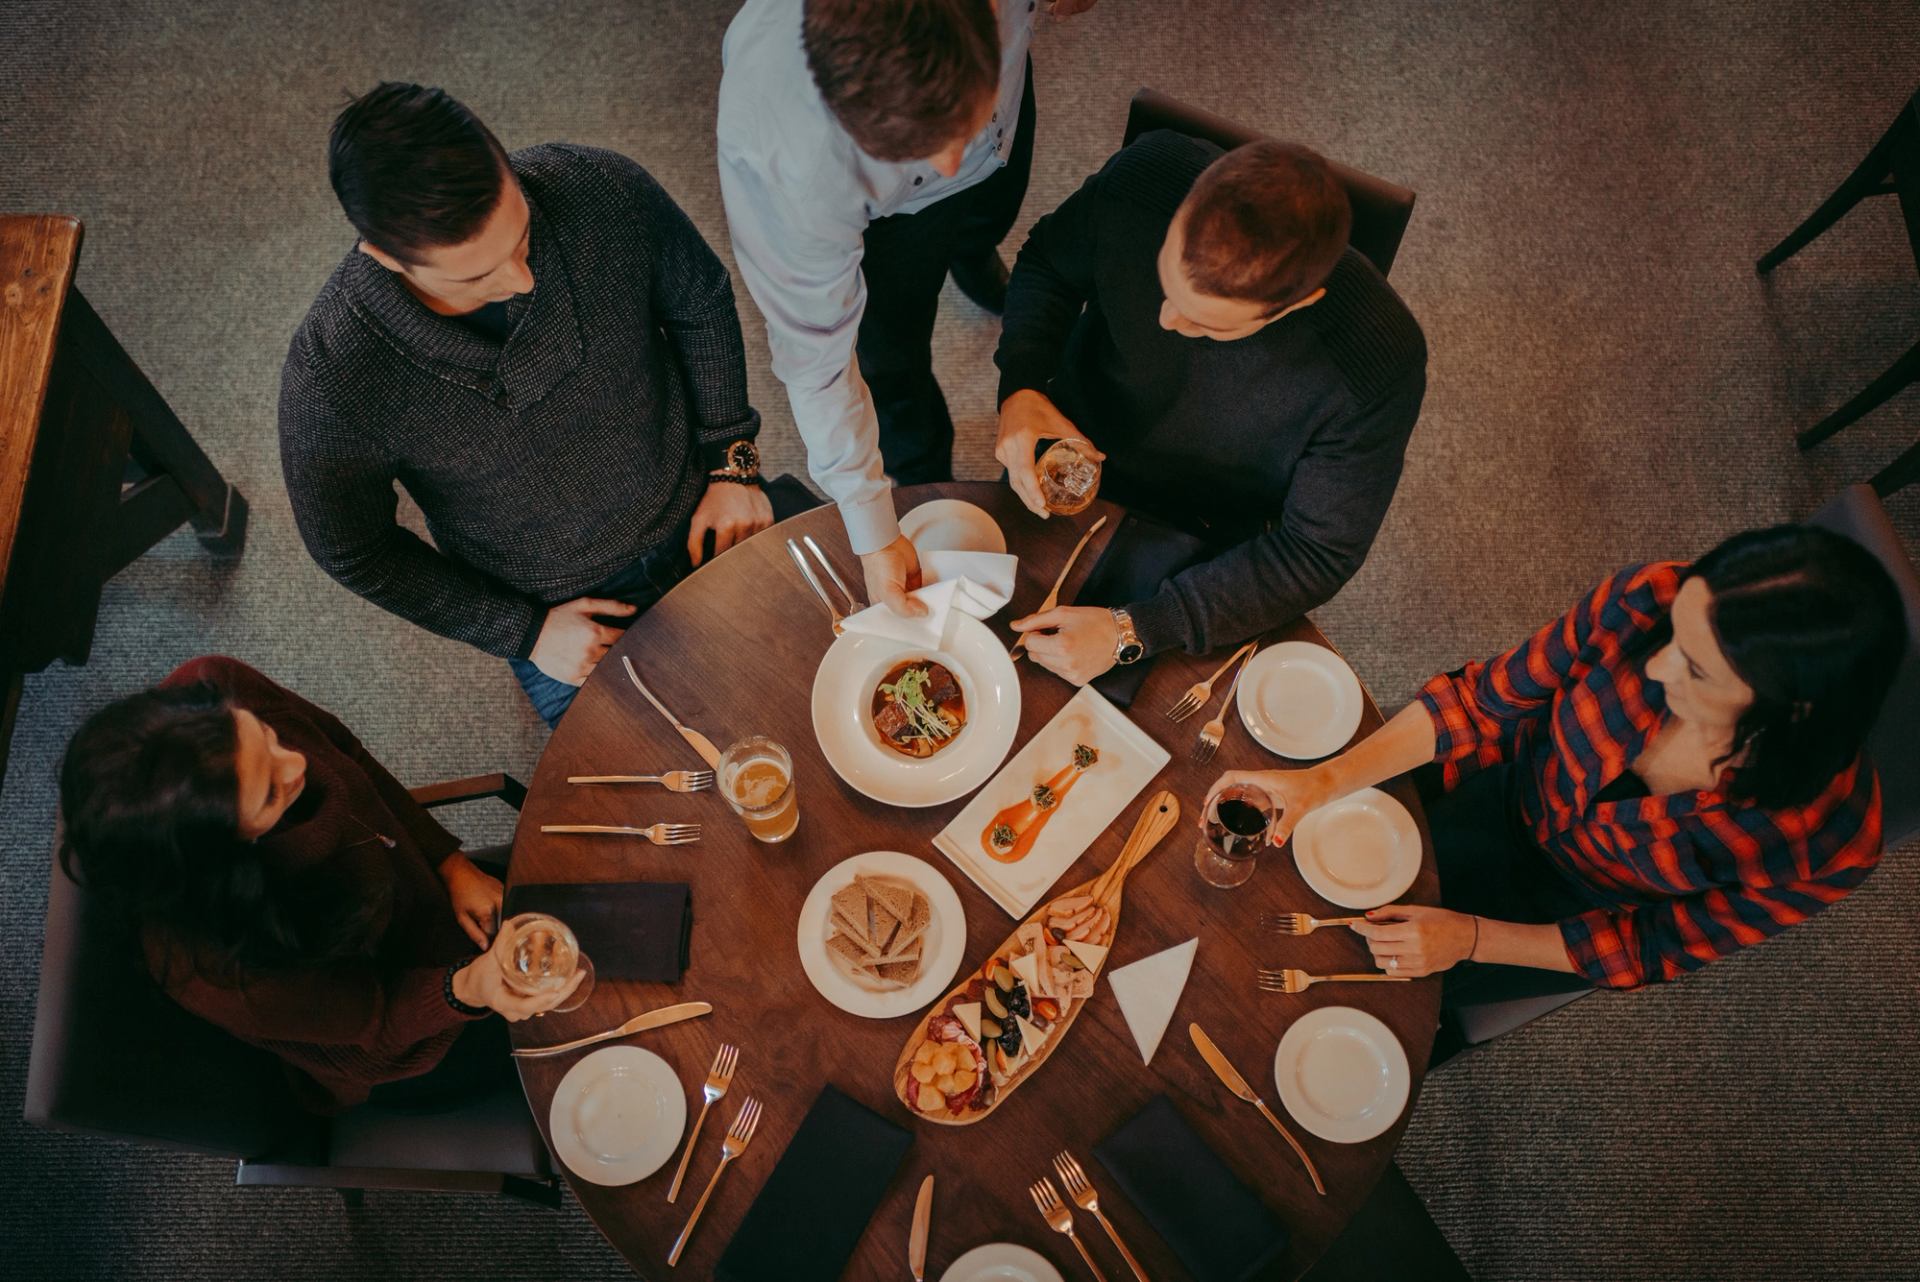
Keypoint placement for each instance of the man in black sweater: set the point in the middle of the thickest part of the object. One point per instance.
(1245, 376)
(544, 351)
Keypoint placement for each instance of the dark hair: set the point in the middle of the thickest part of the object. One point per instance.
(149, 810)
(414, 169)
(903, 77)
(1265, 223)
(1813, 622)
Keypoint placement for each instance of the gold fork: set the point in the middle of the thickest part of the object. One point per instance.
(1200, 691)
(672, 781)
(739, 1135)
(658, 834)
(1298, 981)
(1080, 1189)
(719, 1077)
(1214, 730)
(1301, 923)
(1060, 1220)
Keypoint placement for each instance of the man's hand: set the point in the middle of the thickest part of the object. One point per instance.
(1075, 641)
(891, 573)
(476, 897)
(733, 512)
(1408, 939)
(572, 640)
(1026, 419)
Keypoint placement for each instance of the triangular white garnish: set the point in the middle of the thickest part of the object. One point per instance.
(1149, 989)
(1092, 956)
(968, 1013)
(1030, 1037)
(1027, 967)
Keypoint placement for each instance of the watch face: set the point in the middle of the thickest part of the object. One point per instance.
(1131, 653)
(743, 457)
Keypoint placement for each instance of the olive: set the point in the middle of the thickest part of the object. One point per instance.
(1010, 1039)
(1017, 1001)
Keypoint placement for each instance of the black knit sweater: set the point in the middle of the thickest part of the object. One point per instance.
(1281, 449)
(543, 465)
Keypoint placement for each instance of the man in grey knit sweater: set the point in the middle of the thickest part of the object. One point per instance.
(544, 351)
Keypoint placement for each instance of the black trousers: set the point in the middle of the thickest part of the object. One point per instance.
(1489, 867)
(905, 266)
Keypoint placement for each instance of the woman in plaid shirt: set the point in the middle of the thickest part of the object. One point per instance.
(1668, 773)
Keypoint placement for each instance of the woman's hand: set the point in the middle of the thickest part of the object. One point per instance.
(1294, 793)
(480, 983)
(1407, 939)
(476, 898)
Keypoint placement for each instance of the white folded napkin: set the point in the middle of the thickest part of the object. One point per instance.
(974, 583)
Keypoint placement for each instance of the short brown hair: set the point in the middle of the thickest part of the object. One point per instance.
(903, 77)
(1265, 223)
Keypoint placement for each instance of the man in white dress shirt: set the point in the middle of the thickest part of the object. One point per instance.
(867, 148)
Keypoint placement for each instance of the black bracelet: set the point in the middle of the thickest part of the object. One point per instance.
(446, 990)
(735, 478)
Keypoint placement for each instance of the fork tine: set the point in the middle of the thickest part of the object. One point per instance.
(1039, 1199)
(726, 1060)
(1060, 1165)
(1183, 708)
(752, 1121)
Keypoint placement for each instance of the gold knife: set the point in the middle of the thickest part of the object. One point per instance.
(1230, 1075)
(638, 1024)
(917, 1240)
(1053, 597)
(701, 744)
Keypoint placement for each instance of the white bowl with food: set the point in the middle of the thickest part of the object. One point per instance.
(912, 725)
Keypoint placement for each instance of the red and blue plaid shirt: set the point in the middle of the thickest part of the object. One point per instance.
(1676, 880)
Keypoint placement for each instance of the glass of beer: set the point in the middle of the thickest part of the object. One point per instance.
(1236, 828)
(756, 778)
(1069, 477)
(538, 954)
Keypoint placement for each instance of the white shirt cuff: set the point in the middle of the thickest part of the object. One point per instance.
(871, 524)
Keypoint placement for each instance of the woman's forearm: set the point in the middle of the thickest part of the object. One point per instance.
(1404, 743)
(1515, 943)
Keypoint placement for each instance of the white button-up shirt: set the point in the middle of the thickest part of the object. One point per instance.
(799, 195)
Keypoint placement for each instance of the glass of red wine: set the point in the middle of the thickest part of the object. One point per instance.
(1235, 830)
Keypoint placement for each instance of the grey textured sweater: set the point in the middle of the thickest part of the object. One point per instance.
(1281, 449)
(544, 464)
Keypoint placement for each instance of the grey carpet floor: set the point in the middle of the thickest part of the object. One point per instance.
(1609, 383)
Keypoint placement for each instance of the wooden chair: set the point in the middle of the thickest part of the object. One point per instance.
(1380, 208)
(94, 467)
(1892, 168)
(113, 1056)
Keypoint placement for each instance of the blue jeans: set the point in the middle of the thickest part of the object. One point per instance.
(642, 584)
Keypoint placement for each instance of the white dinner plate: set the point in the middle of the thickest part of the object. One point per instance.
(1342, 1074)
(952, 525)
(618, 1115)
(1001, 1262)
(842, 715)
(1360, 851)
(940, 951)
(1299, 700)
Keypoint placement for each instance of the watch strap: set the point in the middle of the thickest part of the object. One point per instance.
(735, 478)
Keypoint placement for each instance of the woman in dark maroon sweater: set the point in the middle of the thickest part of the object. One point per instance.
(285, 886)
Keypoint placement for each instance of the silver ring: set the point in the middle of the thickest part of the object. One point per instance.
(1393, 963)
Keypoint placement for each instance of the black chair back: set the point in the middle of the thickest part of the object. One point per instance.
(114, 1056)
(1380, 208)
(1893, 746)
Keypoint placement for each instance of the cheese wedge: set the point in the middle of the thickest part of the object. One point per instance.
(1027, 967)
(1149, 989)
(1030, 1037)
(968, 1013)
(1092, 956)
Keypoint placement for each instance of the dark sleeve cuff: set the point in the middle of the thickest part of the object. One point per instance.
(714, 440)
(1022, 376)
(1160, 623)
(531, 635)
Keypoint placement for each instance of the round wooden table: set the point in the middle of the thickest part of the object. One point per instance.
(732, 651)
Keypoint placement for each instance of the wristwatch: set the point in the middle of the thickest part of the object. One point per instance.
(741, 464)
(1128, 648)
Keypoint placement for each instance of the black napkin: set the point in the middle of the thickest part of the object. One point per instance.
(809, 1215)
(1219, 1227)
(1142, 555)
(628, 930)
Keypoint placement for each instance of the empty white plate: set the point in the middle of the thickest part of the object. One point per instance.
(1299, 700)
(1001, 1262)
(952, 525)
(940, 949)
(1360, 851)
(1342, 1074)
(618, 1115)
(843, 689)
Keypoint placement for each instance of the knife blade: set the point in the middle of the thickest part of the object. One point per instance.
(917, 1240)
(658, 1018)
(701, 744)
(1230, 1076)
(1053, 594)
